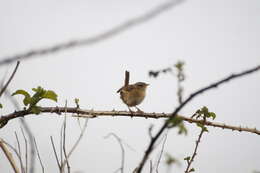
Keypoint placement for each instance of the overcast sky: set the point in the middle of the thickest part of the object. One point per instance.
(213, 37)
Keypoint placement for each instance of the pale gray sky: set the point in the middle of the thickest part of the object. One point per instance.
(214, 37)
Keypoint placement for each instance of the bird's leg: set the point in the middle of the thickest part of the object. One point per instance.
(132, 114)
(139, 110)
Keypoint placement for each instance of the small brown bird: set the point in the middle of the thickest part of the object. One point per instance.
(133, 95)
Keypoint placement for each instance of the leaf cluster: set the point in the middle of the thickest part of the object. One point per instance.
(30, 102)
(177, 122)
(204, 113)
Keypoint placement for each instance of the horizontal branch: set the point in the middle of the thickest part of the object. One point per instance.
(92, 114)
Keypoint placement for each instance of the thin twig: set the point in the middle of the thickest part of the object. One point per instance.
(161, 152)
(26, 151)
(13, 148)
(187, 170)
(97, 38)
(27, 130)
(151, 166)
(10, 79)
(38, 154)
(55, 153)
(64, 140)
(77, 142)
(9, 157)
(61, 143)
(176, 111)
(122, 150)
(19, 152)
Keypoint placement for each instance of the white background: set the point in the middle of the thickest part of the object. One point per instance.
(214, 37)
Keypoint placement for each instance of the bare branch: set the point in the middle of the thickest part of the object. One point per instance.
(122, 150)
(64, 141)
(19, 152)
(26, 151)
(97, 38)
(27, 130)
(10, 79)
(93, 114)
(189, 161)
(38, 154)
(77, 142)
(161, 152)
(176, 111)
(9, 157)
(55, 153)
(13, 148)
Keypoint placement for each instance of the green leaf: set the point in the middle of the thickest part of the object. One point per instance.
(205, 111)
(192, 170)
(200, 125)
(173, 122)
(38, 89)
(187, 158)
(171, 160)
(50, 95)
(179, 65)
(212, 114)
(27, 98)
(203, 127)
(36, 110)
(182, 129)
(1, 106)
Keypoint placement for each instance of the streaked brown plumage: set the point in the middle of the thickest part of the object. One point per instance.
(133, 95)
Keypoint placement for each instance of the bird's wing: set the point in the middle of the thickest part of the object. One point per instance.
(126, 88)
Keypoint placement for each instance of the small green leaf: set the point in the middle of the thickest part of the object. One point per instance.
(170, 160)
(36, 110)
(205, 111)
(27, 98)
(38, 89)
(179, 65)
(212, 114)
(205, 129)
(200, 125)
(1, 106)
(173, 122)
(187, 158)
(50, 95)
(192, 170)
(182, 129)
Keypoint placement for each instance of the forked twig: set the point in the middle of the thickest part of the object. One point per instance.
(9, 157)
(27, 130)
(19, 152)
(189, 161)
(13, 148)
(192, 96)
(119, 140)
(77, 142)
(55, 153)
(64, 142)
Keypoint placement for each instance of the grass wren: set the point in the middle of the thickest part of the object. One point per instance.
(132, 95)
